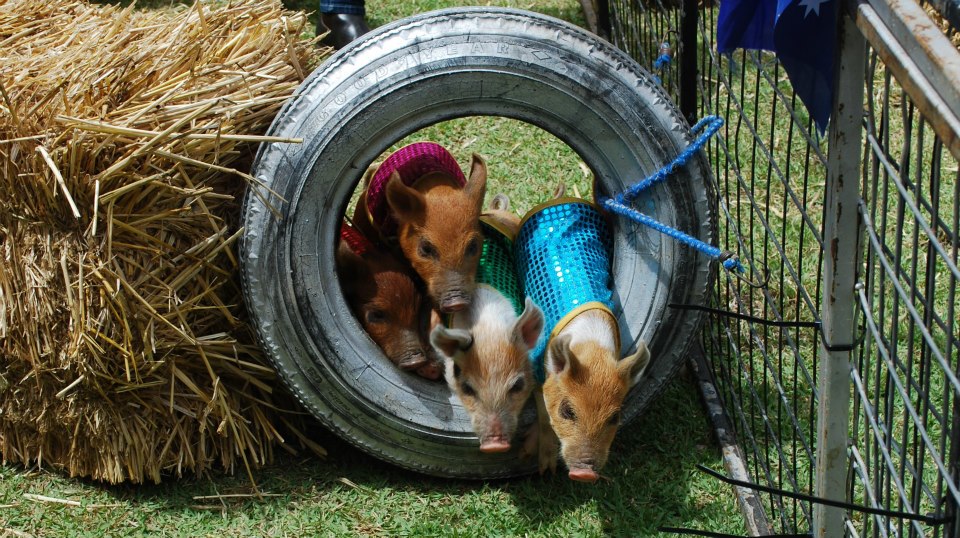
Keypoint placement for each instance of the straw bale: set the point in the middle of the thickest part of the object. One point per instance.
(125, 137)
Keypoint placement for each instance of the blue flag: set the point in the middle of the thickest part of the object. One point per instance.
(803, 33)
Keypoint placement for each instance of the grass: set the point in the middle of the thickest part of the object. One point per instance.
(652, 480)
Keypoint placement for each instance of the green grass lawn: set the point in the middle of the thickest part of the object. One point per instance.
(651, 480)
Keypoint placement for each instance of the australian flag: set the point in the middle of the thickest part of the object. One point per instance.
(803, 33)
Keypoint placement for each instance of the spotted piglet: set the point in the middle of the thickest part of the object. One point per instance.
(486, 346)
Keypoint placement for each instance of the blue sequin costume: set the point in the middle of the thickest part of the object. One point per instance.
(564, 260)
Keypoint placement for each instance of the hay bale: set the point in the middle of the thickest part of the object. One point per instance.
(124, 348)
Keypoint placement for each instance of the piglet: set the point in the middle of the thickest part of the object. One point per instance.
(383, 296)
(419, 203)
(486, 346)
(585, 388)
(438, 231)
(563, 256)
(486, 351)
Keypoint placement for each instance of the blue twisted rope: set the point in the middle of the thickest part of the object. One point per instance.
(729, 262)
(707, 127)
(663, 60)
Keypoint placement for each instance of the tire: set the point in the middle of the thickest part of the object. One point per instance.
(401, 78)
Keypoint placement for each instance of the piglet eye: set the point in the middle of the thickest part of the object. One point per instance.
(473, 248)
(467, 389)
(426, 250)
(566, 411)
(614, 419)
(376, 316)
(518, 386)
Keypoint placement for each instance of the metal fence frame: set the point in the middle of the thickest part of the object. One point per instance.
(860, 233)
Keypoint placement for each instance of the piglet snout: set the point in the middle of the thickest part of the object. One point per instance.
(430, 370)
(494, 440)
(454, 302)
(583, 474)
(492, 446)
(421, 364)
(583, 470)
(413, 361)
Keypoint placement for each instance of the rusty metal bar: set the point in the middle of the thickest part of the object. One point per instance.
(921, 58)
(841, 241)
(929, 48)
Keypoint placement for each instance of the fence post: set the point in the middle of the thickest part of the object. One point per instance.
(604, 28)
(688, 60)
(841, 242)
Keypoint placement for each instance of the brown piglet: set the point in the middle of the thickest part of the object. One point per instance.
(438, 231)
(383, 296)
(585, 388)
(564, 257)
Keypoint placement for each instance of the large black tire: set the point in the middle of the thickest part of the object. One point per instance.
(399, 79)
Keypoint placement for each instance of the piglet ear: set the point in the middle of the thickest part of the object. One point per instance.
(451, 343)
(368, 175)
(407, 204)
(530, 324)
(560, 359)
(476, 187)
(632, 367)
(351, 267)
(500, 202)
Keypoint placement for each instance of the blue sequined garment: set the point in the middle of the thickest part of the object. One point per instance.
(564, 259)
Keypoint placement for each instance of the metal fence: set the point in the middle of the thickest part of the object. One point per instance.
(851, 348)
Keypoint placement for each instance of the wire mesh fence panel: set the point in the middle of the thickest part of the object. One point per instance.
(904, 436)
(770, 168)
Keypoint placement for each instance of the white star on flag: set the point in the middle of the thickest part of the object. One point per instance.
(812, 5)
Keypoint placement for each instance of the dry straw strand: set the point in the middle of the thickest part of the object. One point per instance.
(125, 353)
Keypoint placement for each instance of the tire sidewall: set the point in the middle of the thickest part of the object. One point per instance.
(404, 77)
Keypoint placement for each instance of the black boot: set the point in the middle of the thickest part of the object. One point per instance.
(343, 28)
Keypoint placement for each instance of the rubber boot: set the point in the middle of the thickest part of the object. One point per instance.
(343, 28)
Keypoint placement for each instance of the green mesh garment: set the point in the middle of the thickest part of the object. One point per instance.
(496, 268)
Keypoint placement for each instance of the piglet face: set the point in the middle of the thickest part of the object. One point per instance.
(382, 295)
(488, 368)
(583, 393)
(446, 261)
(439, 232)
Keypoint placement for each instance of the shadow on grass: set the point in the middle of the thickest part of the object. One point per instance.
(650, 481)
